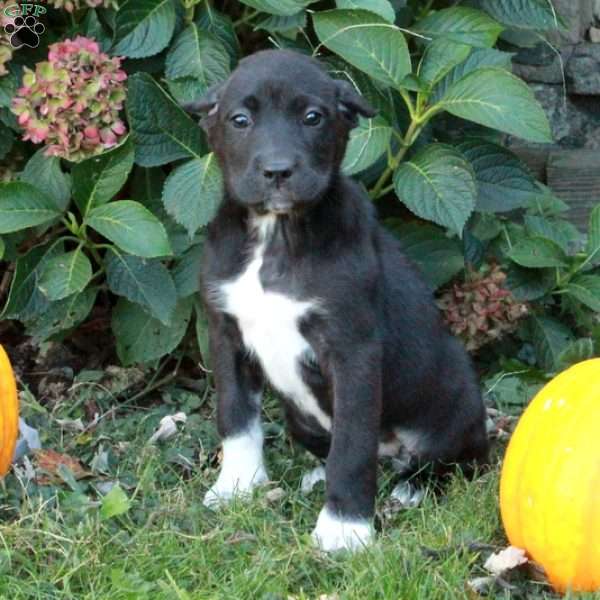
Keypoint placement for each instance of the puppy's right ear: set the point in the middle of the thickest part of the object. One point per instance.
(207, 105)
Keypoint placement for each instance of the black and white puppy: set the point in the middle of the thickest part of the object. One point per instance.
(306, 291)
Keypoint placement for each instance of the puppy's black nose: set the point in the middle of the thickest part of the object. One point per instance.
(278, 169)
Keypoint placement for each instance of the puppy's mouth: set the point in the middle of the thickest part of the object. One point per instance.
(279, 203)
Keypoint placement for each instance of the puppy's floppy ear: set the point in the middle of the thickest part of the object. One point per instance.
(206, 105)
(351, 103)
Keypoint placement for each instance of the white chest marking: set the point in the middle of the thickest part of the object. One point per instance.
(269, 322)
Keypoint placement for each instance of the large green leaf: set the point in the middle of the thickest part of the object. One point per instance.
(220, 25)
(193, 192)
(202, 333)
(200, 55)
(132, 227)
(2, 248)
(62, 315)
(366, 41)
(503, 181)
(65, 274)
(142, 338)
(383, 8)
(478, 59)
(147, 282)
(23, 206)
(281, 24)
(560, 231)
(439, 58)
(278, 7)
(577, 351)
(539, 15)
(550, 338)
(367, 143)
(8, 88)
(161, 131)
(530, 284)
(44, 173)
(593, 244)
(24, 298)
(97, 179)
(7, 139)
(586, 289)
(495, 98)
(439, 185)
(537, 253)
(439, 257)
(143, 27)
(186, 272)
(461, 24)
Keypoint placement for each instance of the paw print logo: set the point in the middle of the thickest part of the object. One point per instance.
(25, 32)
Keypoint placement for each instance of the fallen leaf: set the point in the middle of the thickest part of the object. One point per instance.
(29, 439)
(71, 424)
(99, 463)
(275, 495)
(505, 560)
(167, 427)
(114, 503)
(482, 586)
(241, 536)
(50, 463)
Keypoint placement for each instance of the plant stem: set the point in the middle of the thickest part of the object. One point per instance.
(96, 255)
(245, 18)
(411, 135)
(425, 10)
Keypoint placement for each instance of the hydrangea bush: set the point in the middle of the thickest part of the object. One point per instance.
(108, 183)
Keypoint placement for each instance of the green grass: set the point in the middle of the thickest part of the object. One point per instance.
(54, 543)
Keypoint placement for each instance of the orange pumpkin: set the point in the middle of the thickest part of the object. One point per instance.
(550, 484)
(9, 413)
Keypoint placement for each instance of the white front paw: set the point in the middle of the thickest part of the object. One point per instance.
(333, 533)
(230, 485)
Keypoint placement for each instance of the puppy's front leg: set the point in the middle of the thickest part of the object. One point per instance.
(239, 386)
(346, 520)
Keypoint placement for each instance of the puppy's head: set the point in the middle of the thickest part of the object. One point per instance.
(279, 127)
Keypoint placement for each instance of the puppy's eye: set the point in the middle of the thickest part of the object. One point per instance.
(240, 121)
(312, 118)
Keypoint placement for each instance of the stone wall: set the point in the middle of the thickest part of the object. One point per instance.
(566, 80)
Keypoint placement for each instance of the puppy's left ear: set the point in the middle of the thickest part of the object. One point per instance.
(207, 105)
(351, 104)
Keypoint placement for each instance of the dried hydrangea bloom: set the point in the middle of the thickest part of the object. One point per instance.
(72, 101)
(73, 5)
(481, 309)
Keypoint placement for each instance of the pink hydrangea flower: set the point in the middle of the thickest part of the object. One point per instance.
(481, 309)
(71, 102)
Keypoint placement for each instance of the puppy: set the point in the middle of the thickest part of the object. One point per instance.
(304, 290)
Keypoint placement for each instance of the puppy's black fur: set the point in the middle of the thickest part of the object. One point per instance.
(384, 366)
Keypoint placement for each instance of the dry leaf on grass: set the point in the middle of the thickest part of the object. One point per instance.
(481, 586)
(71, 424)
(49, 463)
(167, 427)
(241, 536)
(505, 560)
(274, 495)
